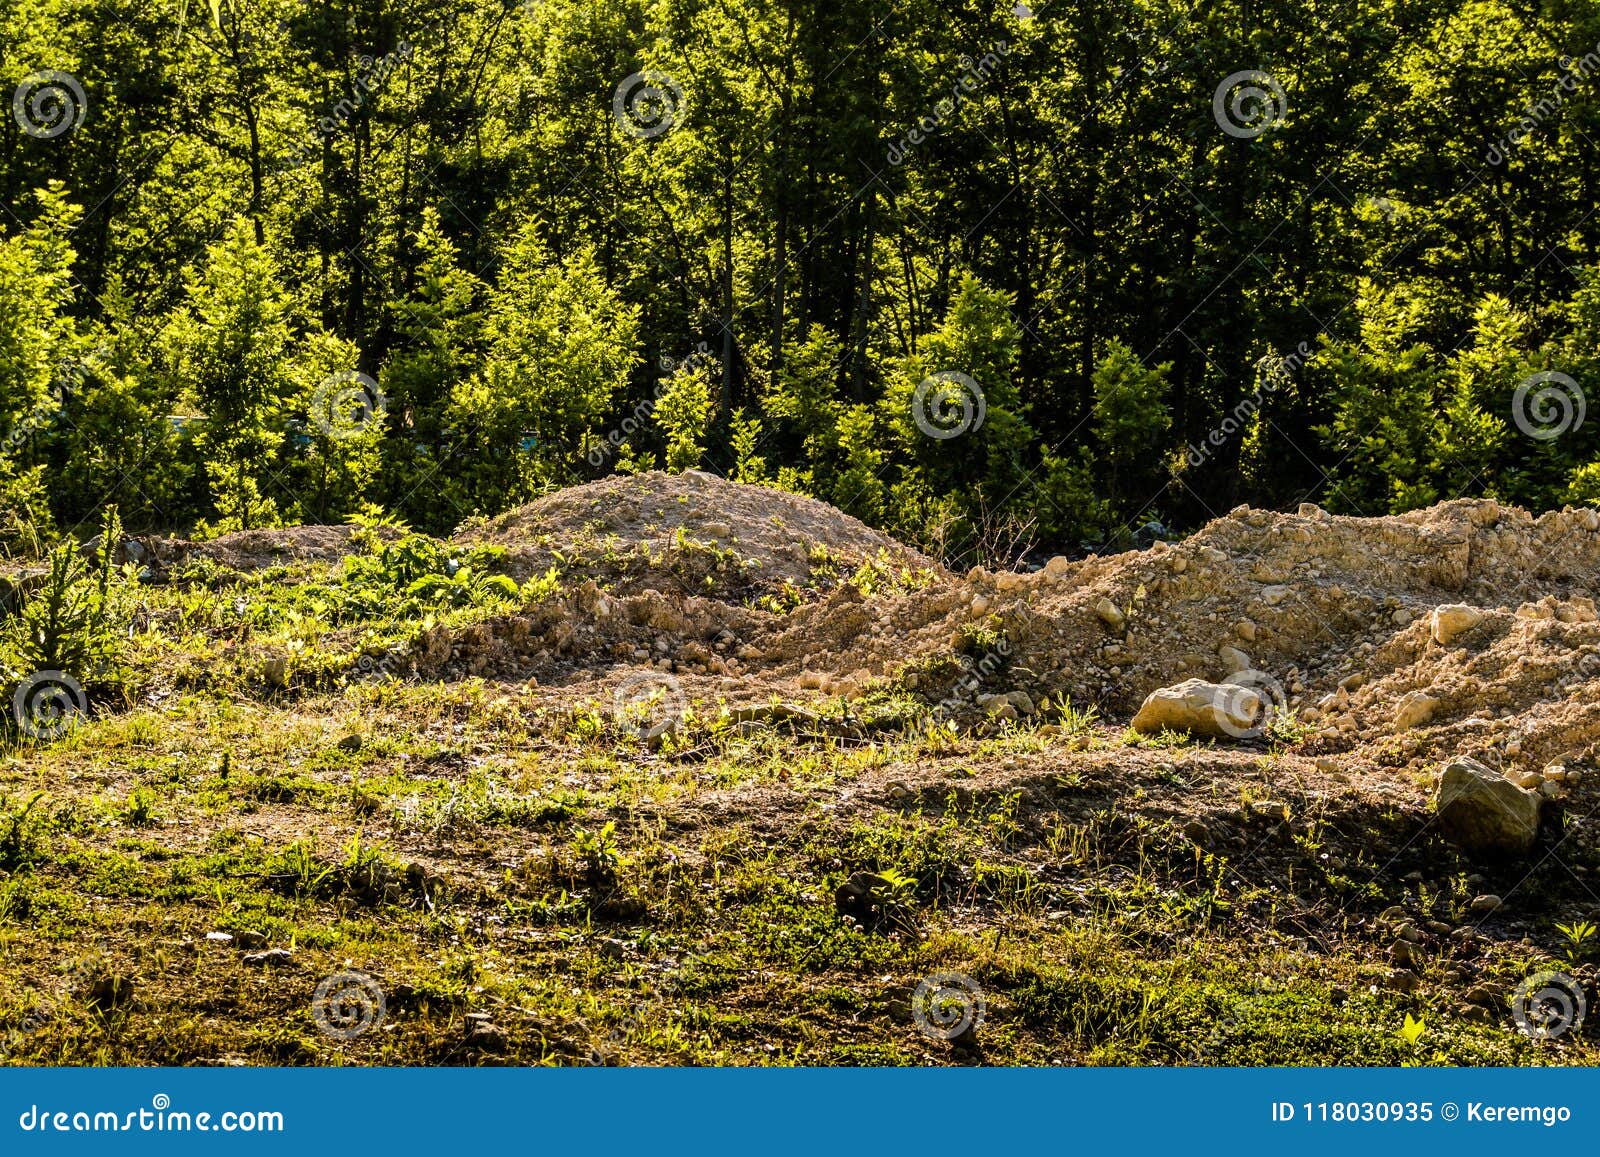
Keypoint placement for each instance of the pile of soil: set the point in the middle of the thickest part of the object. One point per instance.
(1331, 614)
(671, 532)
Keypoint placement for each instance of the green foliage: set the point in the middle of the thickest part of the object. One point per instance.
(458, 214)
(683, 412)
(67, 623)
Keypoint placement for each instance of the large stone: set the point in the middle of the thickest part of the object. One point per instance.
(1453, 620)
(1482, 811)
(1200, 708)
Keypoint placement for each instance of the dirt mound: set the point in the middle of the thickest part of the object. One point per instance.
(1331, 616)
(691, 533)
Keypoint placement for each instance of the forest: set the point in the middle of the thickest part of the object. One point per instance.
(982, 275)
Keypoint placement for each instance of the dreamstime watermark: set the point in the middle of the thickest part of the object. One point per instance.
(346, 403)
(1574, 71)
(1547, 405)
(1246, 703)
(373, 75)
(68, 380)
(1248, 103)
(948, 404)
(1278, 373)
(48, 103)
(348, 1004)
(159, 1118)
(1548, 1005)
(647, 104)
(975, 73)
(646, 407)
(48, 704)
(972, 679)
(648, 704)
(948, 1005)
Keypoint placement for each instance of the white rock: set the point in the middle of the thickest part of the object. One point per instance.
(1453, 620)
(1057, 566)
(1211, 709)
(1414, 710)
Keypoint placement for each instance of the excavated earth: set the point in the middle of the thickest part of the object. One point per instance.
(1331, 616)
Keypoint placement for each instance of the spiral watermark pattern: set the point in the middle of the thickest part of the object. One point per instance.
(948, 404)
(47, 704)
(346, 403)
(948, 1005)
(348, 1004)
(648, 704)
(48, 103)
(1548, 1005)
(1557, 404)
(1249, 103)
(647, 104)
(1246, 703)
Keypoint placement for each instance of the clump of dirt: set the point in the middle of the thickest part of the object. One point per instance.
(691, 533)
(249, 551)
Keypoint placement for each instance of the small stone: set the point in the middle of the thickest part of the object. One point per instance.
(1483, 996)
(1483, 905)
(350, 742)
(219, 938)
(1057, 566)
(611, 948)
(1400, 954)
(1414, 710)
(275, 670)
(485, 1036)
(1527, 780)
(1246, 630)
(1234, 659)
(271, 958)
(1452, 621)
(1110, 614)
(251, 939)
(1401, 980)
(1212, 554)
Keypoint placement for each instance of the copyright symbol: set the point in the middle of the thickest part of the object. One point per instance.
(1449, 1111)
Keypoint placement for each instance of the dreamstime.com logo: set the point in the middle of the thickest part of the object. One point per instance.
(1548, 1005)
(346, 403)
(1547, 405)
(648, 703)
(160, 1117)
(48, 103)
(948, 1005)
(48, 704)
(647, 104)
(948, 404)
(348, 1004)
(1246, 702)
(1249, 103)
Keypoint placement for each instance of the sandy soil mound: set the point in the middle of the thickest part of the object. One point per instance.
(692, 533)
(1333, 617)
